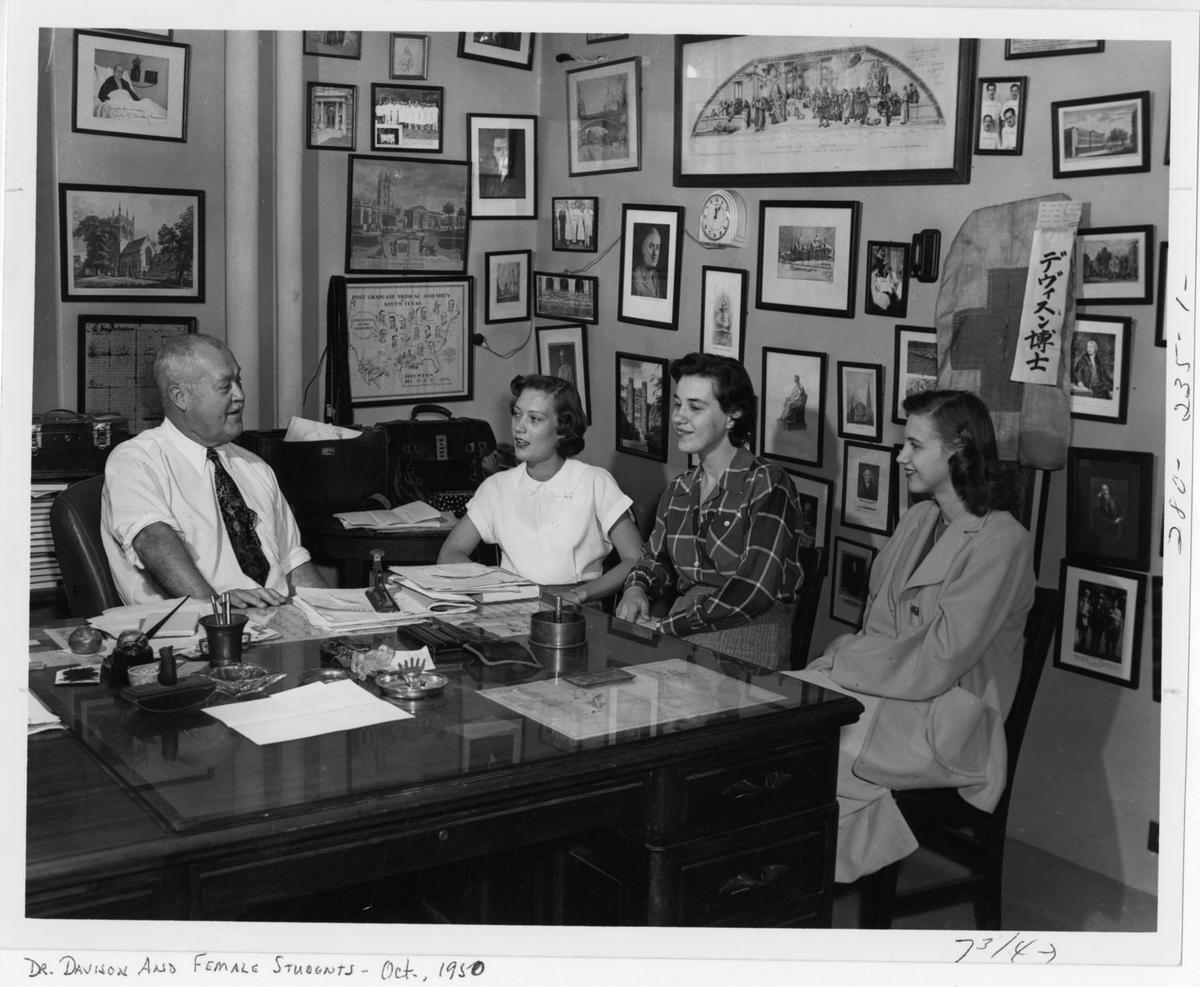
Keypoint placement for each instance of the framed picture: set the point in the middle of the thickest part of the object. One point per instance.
(1000, 122)
(816, 496)
(508, 277)
(761, 110)
(792, 403)
(406, 118)
(129, 88)
(642, 406)
(406, 215)
(807, 255)
(575, 222)
(1101, 135)
(333, 44)
(562, 352)
(1156, 612)
(1160, 297)
(408, 56)
(1100, 630)
(604, 117)
(595, 39)
(566, 296)
(130, 243)
(332, 111)
(886, 288)
(915, 366)
(144, 32)
(409, 339)
(1100, 367)
(723, 311)
(1030, 491)
(502, 47)
(1034, 48)
(116, 364)
(1113, 265)
(851, 581)
(651, 244)
(867, 491)
(860, 400)
(503, 166)
(1109, 507)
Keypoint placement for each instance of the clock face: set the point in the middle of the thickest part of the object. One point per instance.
(714, 217)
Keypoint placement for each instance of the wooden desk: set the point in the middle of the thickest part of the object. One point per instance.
(349, 549)
(726, 818)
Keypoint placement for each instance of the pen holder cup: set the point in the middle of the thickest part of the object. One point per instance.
(224, 639)
(567, 631)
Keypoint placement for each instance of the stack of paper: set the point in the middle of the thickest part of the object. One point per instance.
(349, 611)
(418, 514)
(309, 430)
(466, 582)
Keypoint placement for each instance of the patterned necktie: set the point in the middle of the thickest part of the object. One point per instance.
(239, 522)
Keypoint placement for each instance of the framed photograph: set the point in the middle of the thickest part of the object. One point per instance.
(886, 288)
(860, 400)
(133, 244)
(1110, 503)
(144, 32)
(651, 245)
(501, 47)
(332, 111)
(867, 490)
(807, 256)
(575, 222)
(1030, 489)
(1101, 135)
(595, 39)
(1160, 297)
(915, 366)
(508, 277)
(723, 311)
(816, 496)
(1035, 48)
(409, 339)
(333, 44)
(566, 296)
(604, 117)
(1100, 630)
(763, 110)
(642, 391)
(851, 581)
(1100, 367)
(562, 352)
(1000, 122)
(406, 118)
(792, 403)
(1113, 265)
(129, 88)
(408, 56)
(503, 166)
(406, 215)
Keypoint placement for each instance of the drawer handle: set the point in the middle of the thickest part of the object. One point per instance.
(756, 879)
(766, 784)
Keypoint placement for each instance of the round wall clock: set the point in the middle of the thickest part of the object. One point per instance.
(723, 218)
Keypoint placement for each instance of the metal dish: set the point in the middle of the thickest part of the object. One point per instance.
(174, 702)
(419, 685)
(323, 675)
(239, 679)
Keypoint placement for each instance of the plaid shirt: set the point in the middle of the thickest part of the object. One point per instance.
(742, 542)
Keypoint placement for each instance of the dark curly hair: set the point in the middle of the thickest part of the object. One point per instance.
(731, 385)
(572, 422)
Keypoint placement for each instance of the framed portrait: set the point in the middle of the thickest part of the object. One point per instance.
(761, 110)
(1030, 491)
(406, 118)
(130, 243)
(1036, 48)
(1100, 630)
(851, 581)
(867, 490)
(333, 44)
(1101, 135)
(886, 288)
(792, 405)
(125, 87)
(1113, 265)
(816, 496)
(860, 400)
(332, 111)
(723, 311)
(408, 56)
(508, 275)
(1110, 505)
(409, 339)
(406, 215)
(807, 256)
(575, 222)
(915, 366)
(1160, 297)
(651, 245)
(501, 47)
(642, 394)
(503, 166)
(1100, 367)
(566, 296)
(1000, 121)
(604, 117)
(562, 352)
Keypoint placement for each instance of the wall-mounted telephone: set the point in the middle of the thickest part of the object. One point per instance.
(926, 252)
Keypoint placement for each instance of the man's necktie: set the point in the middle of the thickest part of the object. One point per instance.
(239, 522)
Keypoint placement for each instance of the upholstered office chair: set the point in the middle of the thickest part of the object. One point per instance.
(75, 527)
(812, 560)
(945, 824)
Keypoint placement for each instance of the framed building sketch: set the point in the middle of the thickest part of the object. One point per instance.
(1110, 507)
(408, 56)
(508, 277)
(406, 118)
(1100, 367)
(915, 366)
(792, 402)
(503, 153)
(604, 117)
(816, 500)
(1000, 123)
(642, 406)
(130, 88)
(886, 289)
(851, 580)
(807, 256)
(562, 352)
(860, 400)
(1100, 630)
(333, 44)
(1114, 265)
(332, 111)
(510, 48)
(566, 296)
(723, 311)
(867, 491)
(651, 249)
(575, 222)
(1101, 135)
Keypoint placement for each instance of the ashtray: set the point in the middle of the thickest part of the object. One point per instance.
(422, 685)
(239, 679)
(188, 694)
(323, 675)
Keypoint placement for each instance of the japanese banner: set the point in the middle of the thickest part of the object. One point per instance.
(1039, 348)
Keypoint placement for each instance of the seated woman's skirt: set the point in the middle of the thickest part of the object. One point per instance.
(765, 641)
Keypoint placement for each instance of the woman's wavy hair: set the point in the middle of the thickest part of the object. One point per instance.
(731, 385)
(572, 422)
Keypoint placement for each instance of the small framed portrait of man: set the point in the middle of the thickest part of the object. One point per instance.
(651, 242)
(1110, 505)
(503, 166)
(1099, 368)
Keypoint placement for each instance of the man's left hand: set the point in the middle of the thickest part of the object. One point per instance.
(259, 596)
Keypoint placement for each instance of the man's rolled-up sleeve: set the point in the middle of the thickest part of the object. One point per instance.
(134, 497)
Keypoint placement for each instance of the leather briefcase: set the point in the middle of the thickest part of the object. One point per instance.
(66, 444)
(438, 460)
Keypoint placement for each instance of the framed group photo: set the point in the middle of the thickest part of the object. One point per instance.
(915, 367)
(511, 48)
(1100, 348)
(508, 276)
(886, 288)
(723, 311)
(406, 118)
(1100, 630)
(503, 166)
(1000, 123)
(562, 352)
(566, 296)
(332, 114)
(816, 499)
(851, 571)
(575, 219)
(408, 56)
(807, 256)
(642, 396)
(792, 405)
(1113, 265)
(1110, 507)
(333, 44)
(867, 490)
(1101, 135)
(651, 247)
(604, 117)
(126, 87)
(860, 401)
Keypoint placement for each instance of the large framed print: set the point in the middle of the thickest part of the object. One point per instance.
(1046, 48)
(566, 296)
(723, 311)
(807, 256)
(406, 215)
(332, 113)
(805, 111)
(1100, 629)
(1114, 265)
(1110, 507)
(1100, 367)
(406, 118)
(408, 56)
(1101, 135)
(508, 277)
(792, 402)
(510, 48)
(129, 88)
(651, 248)
(867, 490)
(860, 400)
(1000, 127)
(886, 289)
(851, 581)
(604, 117)
(333, 44)
(816, 498)
(915, 366)
(132, 244)
(562, 352)
(642, 406)
(503, 153)
(576, 219)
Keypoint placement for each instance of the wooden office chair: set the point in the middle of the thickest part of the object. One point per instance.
(945, 824)
(75, 527)
(812, 560)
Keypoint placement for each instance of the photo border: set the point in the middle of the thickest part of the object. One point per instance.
(492, 307)
(565, 333)
(1069, 659)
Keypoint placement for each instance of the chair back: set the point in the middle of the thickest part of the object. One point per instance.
(812, 561)
(1040, 625)
(75, 527)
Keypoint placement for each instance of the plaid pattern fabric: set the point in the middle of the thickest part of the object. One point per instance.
(239, 522)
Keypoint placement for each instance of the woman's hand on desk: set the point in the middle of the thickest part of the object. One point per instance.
(634, 605)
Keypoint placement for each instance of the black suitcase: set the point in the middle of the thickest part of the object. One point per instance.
(66, 444)
(437, 460)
